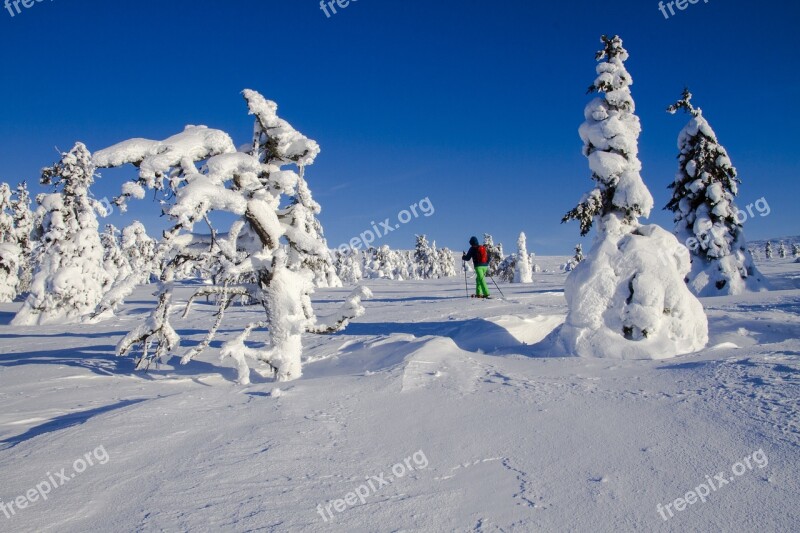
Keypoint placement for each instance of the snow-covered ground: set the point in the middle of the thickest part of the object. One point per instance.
(433, 412)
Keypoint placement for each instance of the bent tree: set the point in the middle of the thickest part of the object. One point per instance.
(198, 172)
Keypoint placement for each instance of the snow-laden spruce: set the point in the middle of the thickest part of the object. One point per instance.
(570, 265)
(627, 298)
(23, 232)
(70, 277)
(259, 257)
(704, 191)
(523, 272)
(10, 251)
(496, 255)
(140, 249)
(16, 241)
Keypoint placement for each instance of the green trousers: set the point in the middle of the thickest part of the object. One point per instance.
(480, 281)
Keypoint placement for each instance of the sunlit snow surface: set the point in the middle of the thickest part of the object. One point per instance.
(513, 440)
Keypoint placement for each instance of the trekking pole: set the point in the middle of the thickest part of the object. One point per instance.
(498, 287)
(464, 268)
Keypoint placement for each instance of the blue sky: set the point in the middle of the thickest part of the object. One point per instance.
(472, 104)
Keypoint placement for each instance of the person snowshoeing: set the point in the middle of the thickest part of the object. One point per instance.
(480, 259)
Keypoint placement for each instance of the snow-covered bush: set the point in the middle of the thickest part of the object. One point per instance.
(704, 191)
(70, 276)
(200, 172)
(627, 298)
(523, 272)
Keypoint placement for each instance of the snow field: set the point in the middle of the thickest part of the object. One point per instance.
(515, 439)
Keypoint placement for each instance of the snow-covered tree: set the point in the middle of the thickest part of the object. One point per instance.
(523, 272)
(303, 222)
(577, 258)
(10, 252)
(424, 257)
(768, 251)
(348, 266)
(796, 250)
(610, 136)
(446, 261)
(70, 276)
(201, 173)
(140, 249)
(782, 250)
(507, 269)
(627, 298)
(704, 192)
(114, 260)
(495, 253)
(23, 230)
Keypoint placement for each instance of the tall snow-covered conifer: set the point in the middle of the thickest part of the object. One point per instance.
(703, 195)
(10, 251)
(523, 272)
(23, 229)
(627, 298)
(610, 141)
(70, 277)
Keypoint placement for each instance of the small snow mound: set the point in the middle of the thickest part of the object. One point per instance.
(724, 346)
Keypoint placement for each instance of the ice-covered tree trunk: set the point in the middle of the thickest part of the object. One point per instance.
(706, 217)
(627, 298)
(70, 277)
(523, 272)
